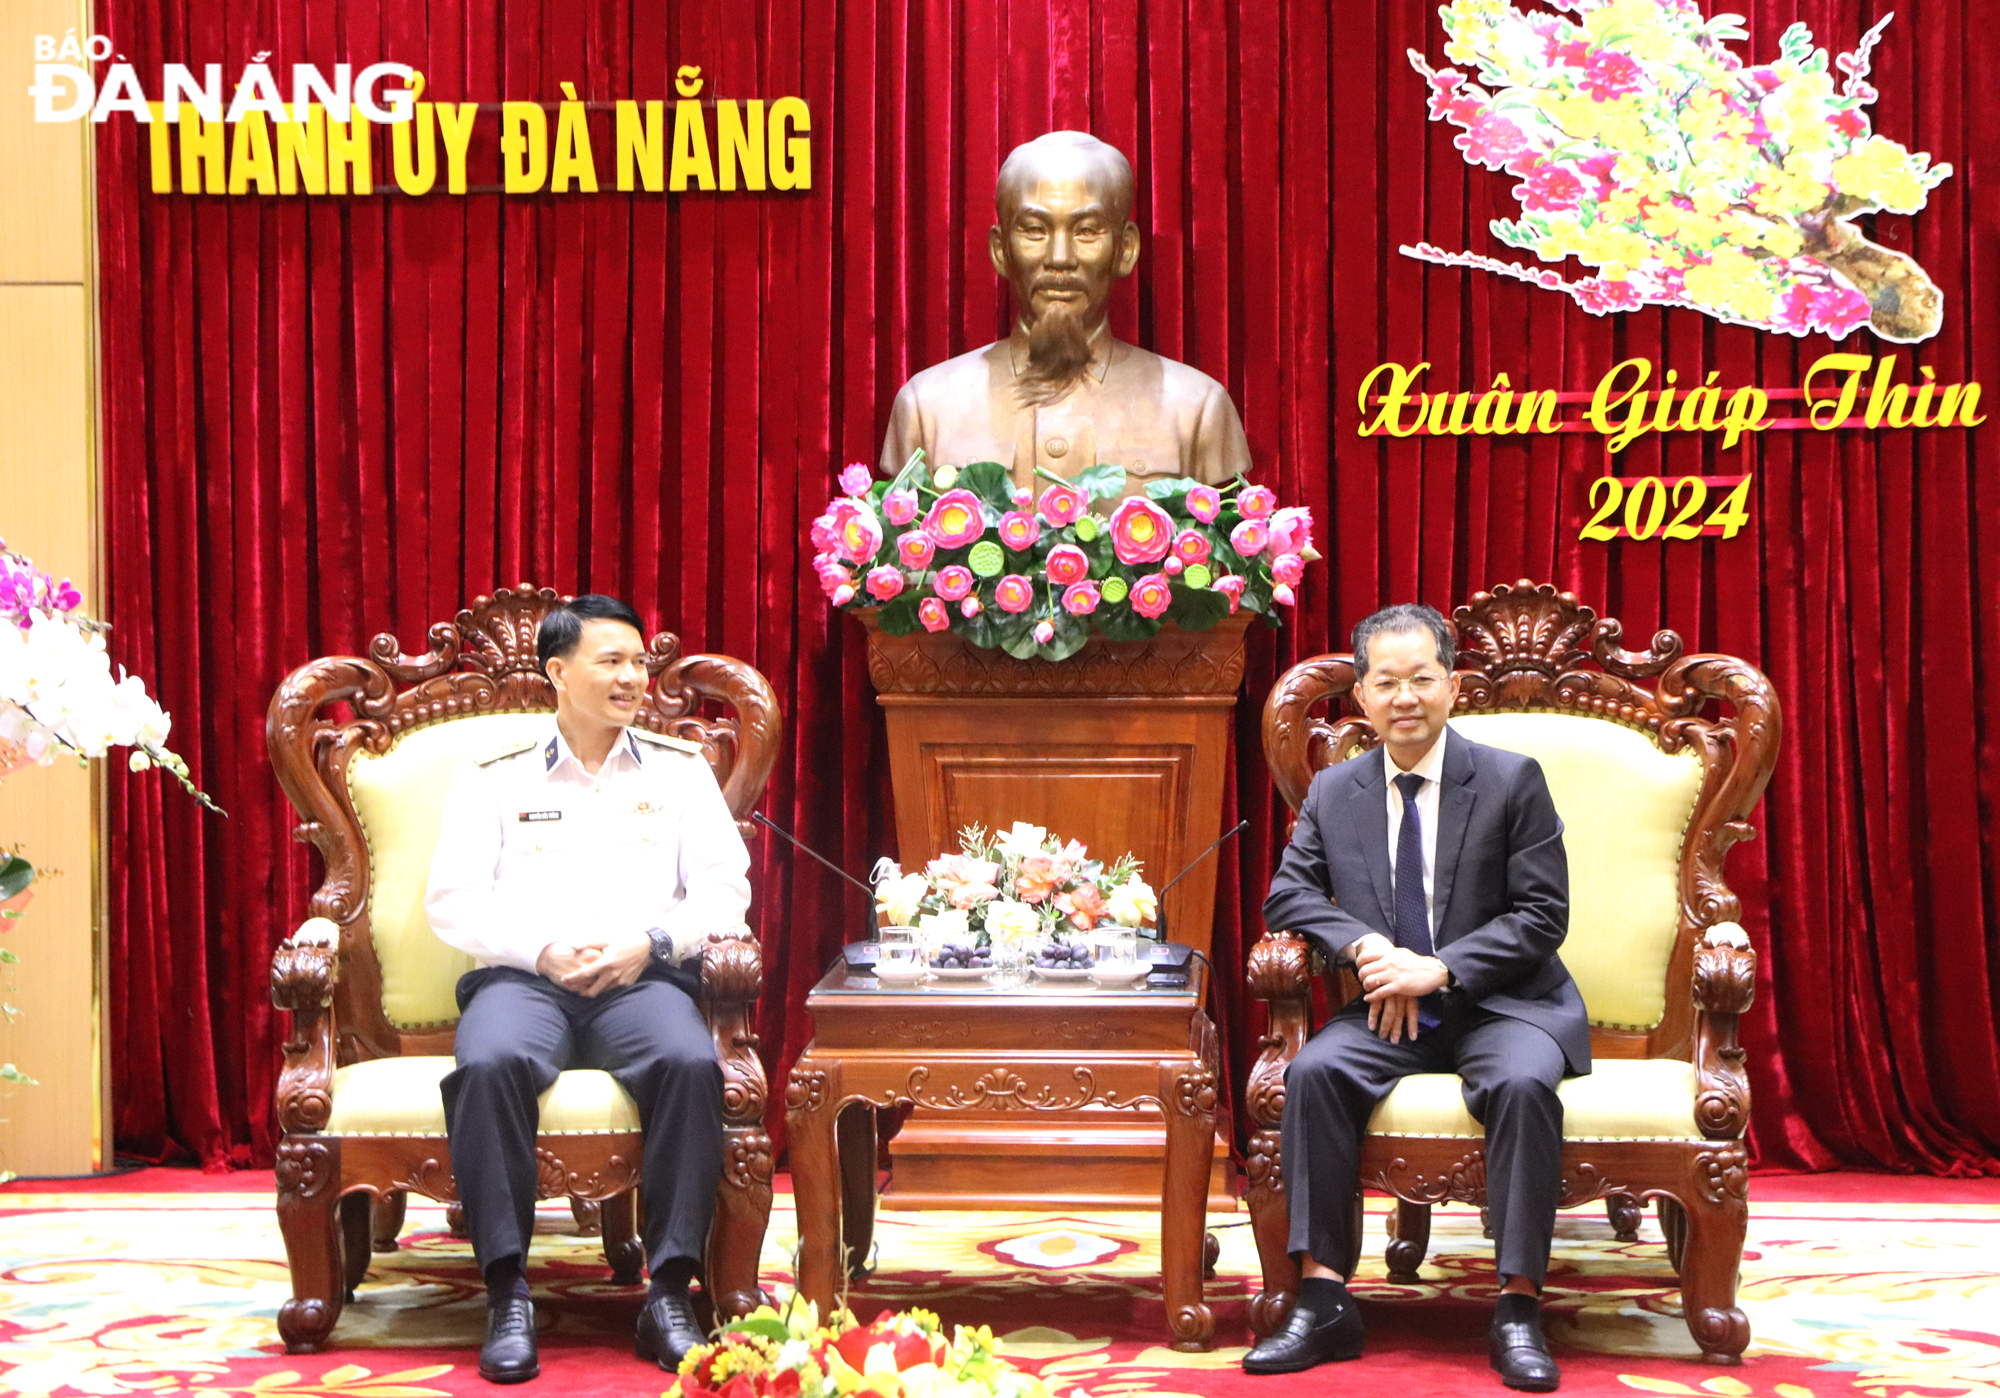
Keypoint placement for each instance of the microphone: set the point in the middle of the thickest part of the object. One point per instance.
(769, 824)
(1192, 864)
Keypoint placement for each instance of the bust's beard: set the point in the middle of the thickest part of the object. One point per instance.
(1058, 356)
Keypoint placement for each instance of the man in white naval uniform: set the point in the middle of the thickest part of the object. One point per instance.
(583, 870)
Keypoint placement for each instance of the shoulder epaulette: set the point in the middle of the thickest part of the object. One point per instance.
(646, 735)
(510, 750)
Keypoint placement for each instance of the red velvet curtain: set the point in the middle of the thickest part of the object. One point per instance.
(332, 417)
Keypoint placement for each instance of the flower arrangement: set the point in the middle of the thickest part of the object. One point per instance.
(1014, 889)
(1683, 175)
(961, 548)
(57, 690)
(787, 1353)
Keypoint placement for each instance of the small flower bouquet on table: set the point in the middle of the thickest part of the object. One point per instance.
(1016, 891)
(784, 1352)
(961, 548)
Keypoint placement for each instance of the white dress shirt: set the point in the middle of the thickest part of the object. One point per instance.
(1431, 768)
(535, 850)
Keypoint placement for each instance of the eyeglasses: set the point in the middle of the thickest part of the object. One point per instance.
(1423, 686)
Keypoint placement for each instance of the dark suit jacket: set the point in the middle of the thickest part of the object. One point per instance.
(1501, 883)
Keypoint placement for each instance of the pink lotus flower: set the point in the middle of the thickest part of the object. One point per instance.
(1231, 585)
(1023, 498)
(1140, 531)
(1018, 530)
(932, 614)
(1249, 537)
(1288, 568)
(1067, 564)
(900, 506)
(1191, 546)
(1045, 631)
(825, 537)
(955, 520)
(884, 582)
(858, 532)
(1256, 502)
(1283, 595)
(1014, 593)
(1173, 567)
(954, 582)
(969, 607)
(1081, 599)
(1291, 530)
(843, 594)
(916, 550)
(1063, 504)
(1204, 502)
(856, 479)
(1152, 595)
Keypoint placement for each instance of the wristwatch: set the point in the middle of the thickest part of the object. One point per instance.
(663, 945)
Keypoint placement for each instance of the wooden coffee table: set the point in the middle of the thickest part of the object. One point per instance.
(956, 1046)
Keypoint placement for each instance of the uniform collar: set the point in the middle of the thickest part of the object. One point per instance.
(1101, 343)
(555, 752)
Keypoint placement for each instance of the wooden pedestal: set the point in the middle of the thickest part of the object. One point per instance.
(1124, 746)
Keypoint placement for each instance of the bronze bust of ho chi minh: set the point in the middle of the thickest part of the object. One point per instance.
(1061, 393)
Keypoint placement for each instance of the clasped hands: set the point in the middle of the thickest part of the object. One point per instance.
(1393, 979)
(591, 968)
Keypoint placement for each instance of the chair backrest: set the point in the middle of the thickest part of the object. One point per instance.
(365, 748)
(1652, 789)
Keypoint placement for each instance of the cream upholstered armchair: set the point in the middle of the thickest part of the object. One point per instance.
(1653, 790)
(365, 748)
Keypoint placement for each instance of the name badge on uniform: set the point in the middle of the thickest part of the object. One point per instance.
(529, 817)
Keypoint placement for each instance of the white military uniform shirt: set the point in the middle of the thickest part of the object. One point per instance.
(535, 850)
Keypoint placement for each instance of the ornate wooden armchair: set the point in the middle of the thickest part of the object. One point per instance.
(365, 748)
(1653, 791)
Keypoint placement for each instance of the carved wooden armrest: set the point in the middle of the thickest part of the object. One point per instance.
(304, 970)
(1280, 974)
(732, 977)
(1725, 978)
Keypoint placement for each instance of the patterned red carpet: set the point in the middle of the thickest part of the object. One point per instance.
(165, 1282)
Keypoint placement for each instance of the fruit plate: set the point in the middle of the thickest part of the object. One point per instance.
(960, 973)
(1063, 973)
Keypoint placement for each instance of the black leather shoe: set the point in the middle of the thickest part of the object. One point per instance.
(1521, 1354)
(508, 1356)
(1308, 1337)
(667, 1331)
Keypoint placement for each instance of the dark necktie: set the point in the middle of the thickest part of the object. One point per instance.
(1413, 921)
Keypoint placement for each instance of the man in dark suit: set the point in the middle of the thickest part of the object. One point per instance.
(1434, 868)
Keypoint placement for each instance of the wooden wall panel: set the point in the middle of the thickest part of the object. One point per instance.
(48, 455)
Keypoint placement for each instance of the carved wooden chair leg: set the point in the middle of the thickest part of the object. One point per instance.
(388, 1220)
(742, 1213)
(1485, 1221)
(454, 1220)
(855, 1132)
(623, 1251)
(1211, 1253)
(1625, 1212)
(1270, 1222)
(1409, 1240)
(589, 1216)
(308, 1174)
(1673, 1223)
(1713, 1252)
(357, 1230)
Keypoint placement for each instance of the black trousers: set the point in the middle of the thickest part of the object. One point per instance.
(515, 1033)
(1510, 1071)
